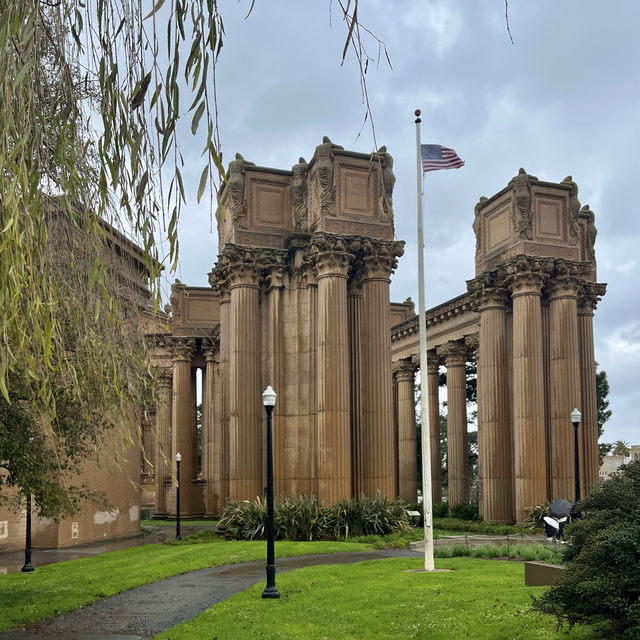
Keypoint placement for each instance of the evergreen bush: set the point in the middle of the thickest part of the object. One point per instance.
(601, 583)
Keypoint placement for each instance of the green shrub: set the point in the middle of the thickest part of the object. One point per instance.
(465, 511)
(299, 518)
(440, 510)
(601, 583)
(536, 514)
(245, 520)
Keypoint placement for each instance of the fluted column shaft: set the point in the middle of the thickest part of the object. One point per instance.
(433, 428)
(589, 425)
(354, 310)
(457, 450)
(332, 263)
(378, 460)
(564, 379)
(495, 456)
(224, 394)
(407, 460)
(211, 433)
(528, 392)
(245, 440)
(183, 427)
(273, 349)
(163, 445)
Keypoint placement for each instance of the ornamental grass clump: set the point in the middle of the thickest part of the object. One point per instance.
(305, 518)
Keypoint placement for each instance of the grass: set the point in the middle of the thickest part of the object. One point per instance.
(60, 587)
(172, 523)
(480, 599)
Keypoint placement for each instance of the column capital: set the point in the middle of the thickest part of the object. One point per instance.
(489, 290)
(164, 378)
(183, 349)
(526, 275)
(211, 345)
(331, 255)
(379, 258)
(565, 280)
(239, 266)
(454, 353)
(274, 265)
(472, 342)
(404, 370)
(589, 294)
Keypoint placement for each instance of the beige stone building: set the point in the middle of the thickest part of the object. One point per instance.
(299, 299)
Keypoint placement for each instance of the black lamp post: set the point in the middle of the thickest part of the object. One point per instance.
(270, 591)
(178, 458)
(28, 567)
(575, 419)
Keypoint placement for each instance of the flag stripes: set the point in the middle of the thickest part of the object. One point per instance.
(435, 157)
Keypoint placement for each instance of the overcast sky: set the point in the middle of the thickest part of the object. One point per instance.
(563, 99)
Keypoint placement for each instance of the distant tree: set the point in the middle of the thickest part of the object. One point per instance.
(604, 413)
(621, 448)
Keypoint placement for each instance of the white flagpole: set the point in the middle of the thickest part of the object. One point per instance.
(427, 503)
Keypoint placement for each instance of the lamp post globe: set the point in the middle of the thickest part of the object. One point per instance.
(576, 416)
(178, 458)
(270, 591)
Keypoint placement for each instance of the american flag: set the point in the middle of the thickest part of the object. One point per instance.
(435, 157)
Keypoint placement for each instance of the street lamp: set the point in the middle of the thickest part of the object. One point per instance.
(575, 419)
(28, 567)
(178, 458)
(270, 591)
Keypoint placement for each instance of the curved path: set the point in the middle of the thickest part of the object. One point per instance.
(143, 612)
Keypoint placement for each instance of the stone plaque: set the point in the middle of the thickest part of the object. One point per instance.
(356, 192)
(269, 204)
(498, 227)
(549, 218)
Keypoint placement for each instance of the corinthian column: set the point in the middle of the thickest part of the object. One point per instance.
(526, 277)
(183, 419)
(244, 393)
(273, 350)
(455, 356)
(163, 445)
(211, 431)
(564, 375)
(378, 460)
(433, 428)
(587, 302)
(332, 260)
(404, 372)
(354, 312)
(495, 442)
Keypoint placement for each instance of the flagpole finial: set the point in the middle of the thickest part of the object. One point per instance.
(417, 113)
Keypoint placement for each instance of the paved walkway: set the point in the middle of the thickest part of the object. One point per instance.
(143, 612)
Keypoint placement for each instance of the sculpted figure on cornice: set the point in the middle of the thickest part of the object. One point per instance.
(236, 188)
(477, 227)
(324, 163)
(380, 257)
(574, 210)
(521, 185)
(388, 179)
(174, 300)
(299, 190)
(592, 232)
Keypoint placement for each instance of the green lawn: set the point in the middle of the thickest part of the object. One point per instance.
(480, 599)
(60, 587)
